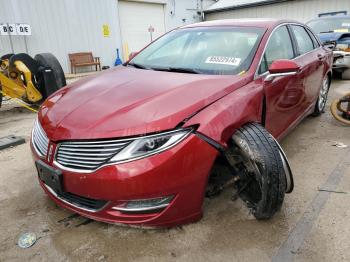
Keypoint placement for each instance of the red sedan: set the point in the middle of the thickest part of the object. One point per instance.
(196, 110)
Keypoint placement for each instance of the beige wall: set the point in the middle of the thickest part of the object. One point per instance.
(301, 10)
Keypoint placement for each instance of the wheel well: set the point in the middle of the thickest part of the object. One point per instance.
(219, 176)
(215, 178)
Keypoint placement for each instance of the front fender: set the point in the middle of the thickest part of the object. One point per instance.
(220, 120)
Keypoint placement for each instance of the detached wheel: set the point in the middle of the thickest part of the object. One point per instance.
(49, 60)
(262, 179)
(322, 97)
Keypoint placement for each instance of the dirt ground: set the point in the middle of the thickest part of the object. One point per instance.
(313, 225)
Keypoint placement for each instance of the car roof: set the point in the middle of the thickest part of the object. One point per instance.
(249, 22)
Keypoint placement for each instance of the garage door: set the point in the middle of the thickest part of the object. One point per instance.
(135, 20)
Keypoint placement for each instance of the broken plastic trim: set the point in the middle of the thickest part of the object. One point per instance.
(211, 142)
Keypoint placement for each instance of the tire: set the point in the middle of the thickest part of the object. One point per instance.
(1, 95)
(338, 112)
(262, 179)
(322, 97)
(26, 59)
(346, 74)
(49, 60)
(6, 57)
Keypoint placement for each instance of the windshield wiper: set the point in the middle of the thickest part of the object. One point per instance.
(184, 70)
(177, 69)
(138, 66)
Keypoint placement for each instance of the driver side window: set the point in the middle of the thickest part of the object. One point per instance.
(279, 47)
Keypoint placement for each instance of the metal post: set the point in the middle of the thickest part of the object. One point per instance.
(151, 30)
(25, 43)
(202, 13)
(10, 37)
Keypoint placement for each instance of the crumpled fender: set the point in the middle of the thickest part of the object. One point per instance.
(220, 120)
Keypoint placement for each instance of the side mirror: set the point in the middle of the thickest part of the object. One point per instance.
(282, 67)
(132, 55)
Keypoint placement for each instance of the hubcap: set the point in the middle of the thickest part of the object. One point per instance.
(322, 98)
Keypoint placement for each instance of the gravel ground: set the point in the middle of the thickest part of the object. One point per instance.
(313, 225)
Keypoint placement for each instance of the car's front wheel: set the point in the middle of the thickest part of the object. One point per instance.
(262, 180)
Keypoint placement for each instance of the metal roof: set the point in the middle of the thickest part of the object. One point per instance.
(222, 5)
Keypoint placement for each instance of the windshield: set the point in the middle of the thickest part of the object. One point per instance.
(202, 50)
(330, 25)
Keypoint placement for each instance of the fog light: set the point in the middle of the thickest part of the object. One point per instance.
(145, 205)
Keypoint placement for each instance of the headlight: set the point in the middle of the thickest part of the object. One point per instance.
(342, 47)
(150, 145)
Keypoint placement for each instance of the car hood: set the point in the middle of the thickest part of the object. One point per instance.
(126, 101)
(333, 37)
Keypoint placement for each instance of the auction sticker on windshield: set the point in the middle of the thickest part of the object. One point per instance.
(223, 60)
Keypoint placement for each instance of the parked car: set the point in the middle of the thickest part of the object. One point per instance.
(334, 31)
(200, 107)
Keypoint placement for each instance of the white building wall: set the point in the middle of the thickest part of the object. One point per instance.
(301, 10)
(63, 27)
(68, 26)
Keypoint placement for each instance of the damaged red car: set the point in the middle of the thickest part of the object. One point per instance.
(199, 108)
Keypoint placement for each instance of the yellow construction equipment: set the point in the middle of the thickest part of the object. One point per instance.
(340, 109)
(30, 80)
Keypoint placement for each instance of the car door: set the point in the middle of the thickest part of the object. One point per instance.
(311, 59)
(283, 95)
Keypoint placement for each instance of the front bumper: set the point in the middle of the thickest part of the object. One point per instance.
(341, 60)
(181, 171)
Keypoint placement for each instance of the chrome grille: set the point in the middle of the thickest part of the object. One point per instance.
(39, 139)
(87, 155)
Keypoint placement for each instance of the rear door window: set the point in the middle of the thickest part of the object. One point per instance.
(314, 39)
(304, 42)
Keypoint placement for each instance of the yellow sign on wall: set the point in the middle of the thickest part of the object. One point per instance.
(105, 29)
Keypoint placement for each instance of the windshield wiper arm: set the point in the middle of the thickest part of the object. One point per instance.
(177, 69)
(139, 66)
(167, 69)
(184, 70)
